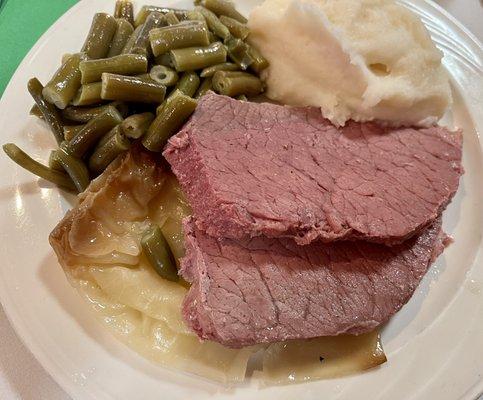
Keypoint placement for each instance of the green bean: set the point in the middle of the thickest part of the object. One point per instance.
(100, 36)
(188, 83)
(259, 62)
(224, 7)
(186, 34)
(114, 131)
(25, 161)
(90, 134)
(239, 52)
(193, 58)
(210, 71)
(131, 88)
(171, 18)
(65, 57)
(71, 130)
(188, 86)
(35, 112)
(49, 111)
(237, 29)
(74, 167)
(205, 86)
(194, 15)
(124, 9)
(242, 97)
(123, 33)
(163, 75)
(124, 64)
(154, 20)
(159, 254)
(139, 44)
(146, 10)
(145, 76)
(161, 106)
(65, 83)
(129, 46)
(137, 125)
(88, 94)
(213, 37)
(120, 106)
(235, 83)
(54, 163)
(107, 151)
(174, 114)
(164, 59)
(85, 114)
(214, 23)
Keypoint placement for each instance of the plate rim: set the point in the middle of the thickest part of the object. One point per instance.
(35, 348)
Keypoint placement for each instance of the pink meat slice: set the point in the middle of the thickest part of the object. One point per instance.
(252, 169)
(264, 290)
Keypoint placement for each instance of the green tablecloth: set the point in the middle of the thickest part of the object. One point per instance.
(22, 22)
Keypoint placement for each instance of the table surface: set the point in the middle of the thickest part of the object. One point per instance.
(21, 376)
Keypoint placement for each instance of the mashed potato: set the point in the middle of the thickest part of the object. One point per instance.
(356, 59)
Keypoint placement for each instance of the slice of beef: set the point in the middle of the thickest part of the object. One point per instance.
(265, 290)
(253, 169)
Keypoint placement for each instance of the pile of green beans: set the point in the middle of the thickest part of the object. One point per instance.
(138, 78)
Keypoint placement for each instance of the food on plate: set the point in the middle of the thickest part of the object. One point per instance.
(168, 120)
(136, 125)
(265, 290)
(181, 35)
(164, 75)
(236, 28)
(355, 59)
(99, 38)
(99, 245)
(124, 31)
(124, 10)
(146, 10)
(63, 86)
(59, 178)
(298, 238)
(50, 114)
(92, 132)
(138, 43)
(153, 68)
(223, 8)
(88, 94)
(301, 359)
(123, 64)
(132, 89)
(86, 114)
(188, 84)
(210, 71)
(156, 248)
(279, 171)
(215, 25)
(236, 83)
(192, 58)
(108, 148)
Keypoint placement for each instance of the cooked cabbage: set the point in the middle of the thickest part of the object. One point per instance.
(98, 245)
(324, 357)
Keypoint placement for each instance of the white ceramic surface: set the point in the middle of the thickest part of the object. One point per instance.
(434, 344)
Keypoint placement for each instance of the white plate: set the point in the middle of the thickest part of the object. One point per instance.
(434, 345)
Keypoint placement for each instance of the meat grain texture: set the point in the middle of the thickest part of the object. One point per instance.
(264, 290)
(253, 169)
